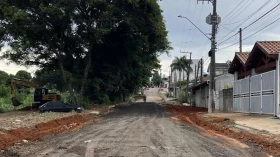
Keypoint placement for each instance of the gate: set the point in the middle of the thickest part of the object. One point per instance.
(255, 94)
(241, 95)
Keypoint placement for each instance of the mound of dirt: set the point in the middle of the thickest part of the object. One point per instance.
(66, 124)
(223, 126)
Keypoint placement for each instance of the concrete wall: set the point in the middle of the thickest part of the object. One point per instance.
(227, 100)
(221, 101)
(197, 98)
(224, 81)
(201, 97)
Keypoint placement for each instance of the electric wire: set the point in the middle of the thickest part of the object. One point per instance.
(233, 10)
(242, 24)
(252, 34)
(249, 24)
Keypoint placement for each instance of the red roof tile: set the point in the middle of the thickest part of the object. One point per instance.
(271, 47)
(243, 56)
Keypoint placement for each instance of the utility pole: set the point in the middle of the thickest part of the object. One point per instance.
(213, 20)
(240, 39)
(201, 70)
(195, 75)
(198, 67)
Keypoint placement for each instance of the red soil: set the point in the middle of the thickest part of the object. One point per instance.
(61, 125)
(223, 126)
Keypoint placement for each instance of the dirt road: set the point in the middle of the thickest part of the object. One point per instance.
(141, 129)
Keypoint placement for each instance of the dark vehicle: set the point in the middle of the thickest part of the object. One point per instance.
(59, 106)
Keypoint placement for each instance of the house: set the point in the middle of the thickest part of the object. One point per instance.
(256, 75)
(164, 83)
(223, 80)
(201, 93)
(238, 65)
(220, 69)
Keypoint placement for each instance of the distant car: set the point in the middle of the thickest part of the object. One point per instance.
(59, 106)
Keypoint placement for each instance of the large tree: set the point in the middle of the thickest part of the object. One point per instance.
(117, 39)
(156, 79)
(22, 74)
(4, 77)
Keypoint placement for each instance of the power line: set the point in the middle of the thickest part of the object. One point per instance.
(247, 19)
(262, 28)
(195, 26)
(225, 19)
(261, 16)
(267, 2)
(267, 20)
(233, 18)
(250, 23)
(228, 38)
(192, 15)
(252, 34)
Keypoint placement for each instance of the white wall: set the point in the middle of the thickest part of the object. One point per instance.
(223, 82)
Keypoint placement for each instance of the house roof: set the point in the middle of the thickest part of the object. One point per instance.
(205, 79)
(271, 47)
(219, 65)
(239, 59)
(249, 60)
(242, 56)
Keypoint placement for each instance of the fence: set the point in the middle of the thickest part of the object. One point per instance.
(255, 94)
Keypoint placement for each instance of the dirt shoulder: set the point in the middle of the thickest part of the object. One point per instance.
(224, 126)
(23, 126)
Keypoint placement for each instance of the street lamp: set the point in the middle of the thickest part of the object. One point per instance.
(194, 25)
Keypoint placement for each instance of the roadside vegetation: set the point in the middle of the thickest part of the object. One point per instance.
(97, 52)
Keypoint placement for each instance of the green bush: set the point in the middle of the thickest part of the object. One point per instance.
(5, 105)
(65, 96)
(183, 97)
(131, 99)
(105, 99)
(4, 91)
(85, 103)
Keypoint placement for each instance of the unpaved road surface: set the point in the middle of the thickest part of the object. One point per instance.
(141, 129)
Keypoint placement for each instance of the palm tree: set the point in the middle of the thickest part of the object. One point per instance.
(178, 64)
(187, 68)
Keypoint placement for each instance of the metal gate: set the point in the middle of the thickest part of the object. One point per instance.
(241, 95)
(255, 94)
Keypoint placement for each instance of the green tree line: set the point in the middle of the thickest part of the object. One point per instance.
(98, 50)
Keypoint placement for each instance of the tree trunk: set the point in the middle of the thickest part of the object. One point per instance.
(70, 88)
(188, 79)
(180, 75)
(85, 75)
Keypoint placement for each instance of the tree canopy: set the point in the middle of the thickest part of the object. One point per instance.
(99, 47)
(156, 79)
(4, 77)
(22, 74)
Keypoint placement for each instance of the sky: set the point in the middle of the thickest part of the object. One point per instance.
(234, 14)
(184, 37)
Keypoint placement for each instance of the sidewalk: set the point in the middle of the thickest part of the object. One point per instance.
(253, 122)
